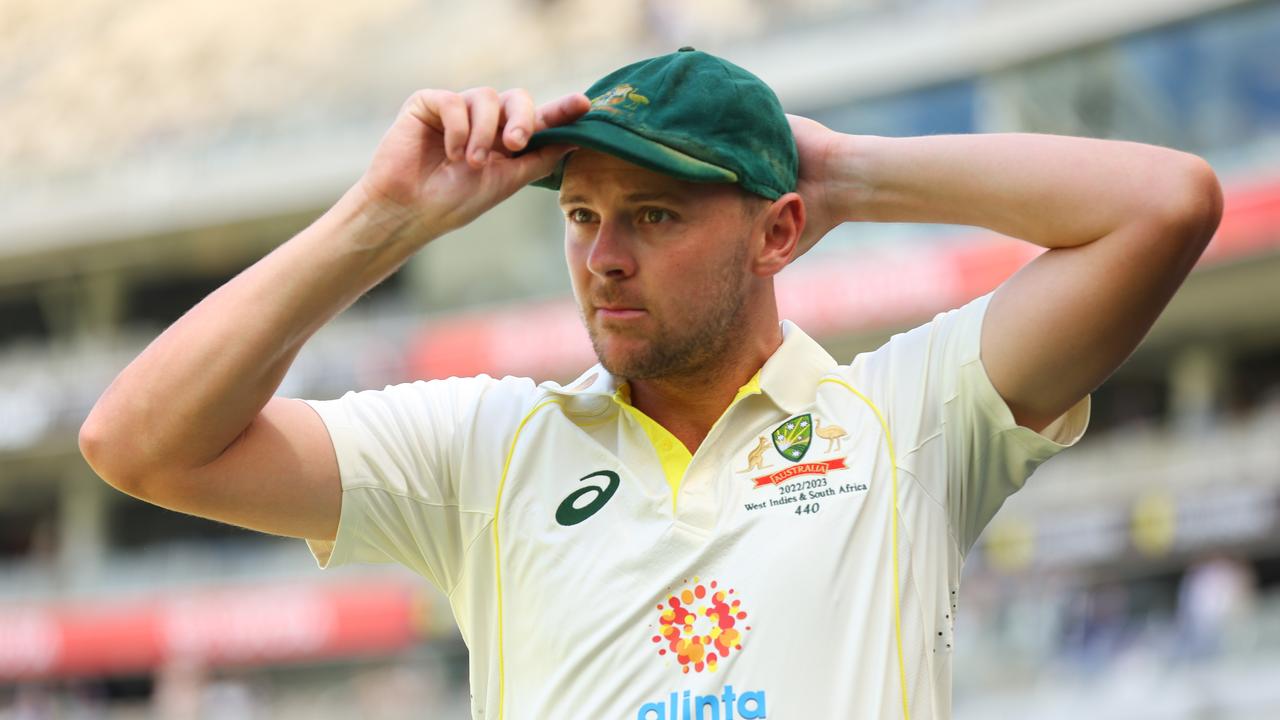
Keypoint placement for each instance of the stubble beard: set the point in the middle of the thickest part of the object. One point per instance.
(694, 347)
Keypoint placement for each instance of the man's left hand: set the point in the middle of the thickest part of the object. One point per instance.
(823, 180)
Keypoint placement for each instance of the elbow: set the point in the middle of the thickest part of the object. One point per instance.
(102, 453)
(1194, 203)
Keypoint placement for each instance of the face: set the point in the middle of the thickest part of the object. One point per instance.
(660, 267)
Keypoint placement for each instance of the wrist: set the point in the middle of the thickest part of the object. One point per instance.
(371, 221)
(852, 176)
(366, 235)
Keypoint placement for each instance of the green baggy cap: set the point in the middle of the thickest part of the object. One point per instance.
(690, 115)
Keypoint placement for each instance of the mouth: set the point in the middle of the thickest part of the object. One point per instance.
(619, 312)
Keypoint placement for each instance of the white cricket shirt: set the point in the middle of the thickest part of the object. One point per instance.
(802, 564)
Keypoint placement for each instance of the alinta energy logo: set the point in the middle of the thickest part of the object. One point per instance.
(701, 625)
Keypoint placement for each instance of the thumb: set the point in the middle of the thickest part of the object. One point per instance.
(538, 163)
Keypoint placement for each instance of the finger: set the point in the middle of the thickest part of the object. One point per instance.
(445, 112)
(484, 107)
(537, 164)
(562, 111)
(519, 118)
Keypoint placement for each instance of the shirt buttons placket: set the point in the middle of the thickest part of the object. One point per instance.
(698, 504)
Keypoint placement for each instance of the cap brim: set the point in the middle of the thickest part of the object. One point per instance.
(615, 140)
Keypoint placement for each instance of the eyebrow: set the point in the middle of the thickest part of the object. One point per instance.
(633, 197)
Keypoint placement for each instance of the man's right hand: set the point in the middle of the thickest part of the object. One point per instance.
(448, 157)
(192, 423)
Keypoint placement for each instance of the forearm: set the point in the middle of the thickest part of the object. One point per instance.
(1053, 191)
(201, 383)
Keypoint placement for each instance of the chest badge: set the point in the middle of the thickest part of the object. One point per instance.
(792, 438)
(755, 457)
(831, 433)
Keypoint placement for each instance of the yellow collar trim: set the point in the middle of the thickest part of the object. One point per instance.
(672, 454)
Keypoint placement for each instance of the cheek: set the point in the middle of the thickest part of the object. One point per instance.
(575, 259)
(684, 283)
(700, 268)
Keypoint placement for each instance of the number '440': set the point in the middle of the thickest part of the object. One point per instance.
(807, 508)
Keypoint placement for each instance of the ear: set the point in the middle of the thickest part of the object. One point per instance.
(780, 225)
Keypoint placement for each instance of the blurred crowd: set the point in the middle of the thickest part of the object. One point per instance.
(197, 126)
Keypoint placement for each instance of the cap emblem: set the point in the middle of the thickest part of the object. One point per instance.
(620, 98)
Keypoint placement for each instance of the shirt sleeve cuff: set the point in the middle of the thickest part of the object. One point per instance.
(1065, 430)
(331, 553)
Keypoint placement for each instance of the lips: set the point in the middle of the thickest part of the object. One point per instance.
(619, 313)
(610, 305)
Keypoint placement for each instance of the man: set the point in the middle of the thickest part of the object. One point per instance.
(718, 520)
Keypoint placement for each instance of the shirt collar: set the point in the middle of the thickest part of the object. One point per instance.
(789, 377)
(595, 381)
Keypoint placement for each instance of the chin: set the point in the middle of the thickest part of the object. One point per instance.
(617, 361)
(619, 355)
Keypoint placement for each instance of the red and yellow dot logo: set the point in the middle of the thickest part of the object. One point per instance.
(701, 625)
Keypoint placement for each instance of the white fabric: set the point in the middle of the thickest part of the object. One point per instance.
(576, 608)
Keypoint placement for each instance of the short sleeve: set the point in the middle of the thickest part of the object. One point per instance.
(954, 433)
(417, 466)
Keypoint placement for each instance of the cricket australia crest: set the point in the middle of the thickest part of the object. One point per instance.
(620, 98)
(792, 438)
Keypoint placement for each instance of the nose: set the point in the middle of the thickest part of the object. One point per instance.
(610, 255)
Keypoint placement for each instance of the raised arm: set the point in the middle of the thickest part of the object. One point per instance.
(1123, 223)
(192, 425)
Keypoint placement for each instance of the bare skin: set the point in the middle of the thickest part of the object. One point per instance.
(192, 424)
(1123, 222)
(674, 280)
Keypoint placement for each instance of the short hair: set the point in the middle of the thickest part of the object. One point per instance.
(753, 204)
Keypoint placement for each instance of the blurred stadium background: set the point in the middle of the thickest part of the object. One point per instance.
(150, 150)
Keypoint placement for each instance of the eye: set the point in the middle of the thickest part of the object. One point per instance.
(580, 215)
(654, 216)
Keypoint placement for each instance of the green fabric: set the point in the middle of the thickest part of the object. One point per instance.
(690, 115)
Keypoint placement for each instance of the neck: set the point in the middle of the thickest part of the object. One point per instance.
(688, 405)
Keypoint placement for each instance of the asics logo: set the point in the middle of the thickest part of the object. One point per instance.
(572, 511)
